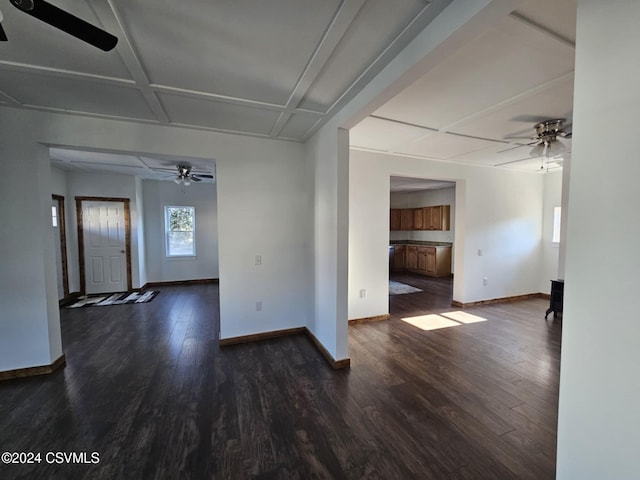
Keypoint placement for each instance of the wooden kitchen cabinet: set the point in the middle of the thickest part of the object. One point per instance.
(422, 259)
(431, 264)
(398, 257)
(434, 261)
(422, 218)
(439, 262)
(437, 217)
(394, 219)
(418, 219)
(412, 257)
(406, 219)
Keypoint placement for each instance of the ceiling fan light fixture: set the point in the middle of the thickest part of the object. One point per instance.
(556, 147)
(538, 150)
(178, 180)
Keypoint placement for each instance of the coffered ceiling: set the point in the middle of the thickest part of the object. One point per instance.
(281, 68)
(276, 68)
(468, 108)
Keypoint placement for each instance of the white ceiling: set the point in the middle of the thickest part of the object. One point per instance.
(465, 109)
(158, 167)
(276, 68)
(281, 68)
(408, 185)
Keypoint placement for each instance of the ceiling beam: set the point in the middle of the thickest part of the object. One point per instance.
(9, 100)
(516, 98)
(61, 73)
(106, 12)
(428, 13)
(341, 22)
(542, 29)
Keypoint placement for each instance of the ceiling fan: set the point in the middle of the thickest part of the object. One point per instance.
(547, 133)
(185, 177)
(546, 141)
(64, 21)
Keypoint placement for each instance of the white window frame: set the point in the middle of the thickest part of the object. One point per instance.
(54, 216)
(167, 252)
(557, 216)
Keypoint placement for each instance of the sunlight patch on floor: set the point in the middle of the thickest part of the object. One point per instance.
(436, 321)
(463, 317)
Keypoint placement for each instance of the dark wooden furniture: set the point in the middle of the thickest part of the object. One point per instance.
(557, 295)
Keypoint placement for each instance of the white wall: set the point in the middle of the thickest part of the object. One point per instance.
(29, 317)
(599, 418)
(497, 211)
(426, 198)
(263, 208)
(160, 268)
(328, 157)
(59, 183)
(550, 251)
(103, 185)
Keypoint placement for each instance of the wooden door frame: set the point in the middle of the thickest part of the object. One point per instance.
(62, 229)
(127, 237)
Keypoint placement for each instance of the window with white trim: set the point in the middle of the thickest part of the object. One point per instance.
(180, 227)
(557, 211)
(54, 215)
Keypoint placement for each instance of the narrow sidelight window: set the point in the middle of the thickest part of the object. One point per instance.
(556, 225)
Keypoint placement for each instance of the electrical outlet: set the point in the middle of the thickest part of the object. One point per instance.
(485, 281)
(259, 306)
(363, 293)
(258, 259)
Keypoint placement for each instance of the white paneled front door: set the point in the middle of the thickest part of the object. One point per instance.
(104, 246)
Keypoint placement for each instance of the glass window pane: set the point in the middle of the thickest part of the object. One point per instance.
(181, 219)
(179, 230)
(557, 211)
(54, 215)
(180, 243)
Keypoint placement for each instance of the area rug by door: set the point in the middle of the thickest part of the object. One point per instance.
(115, 299)
(397, 288)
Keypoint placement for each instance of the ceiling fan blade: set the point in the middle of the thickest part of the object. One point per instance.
(203, 175)
(195, 179)
(3, 35)
(69, 23)
(518, 138)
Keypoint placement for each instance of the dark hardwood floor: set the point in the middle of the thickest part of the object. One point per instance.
(148, 388)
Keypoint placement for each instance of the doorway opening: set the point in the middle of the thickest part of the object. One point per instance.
(421, 239)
